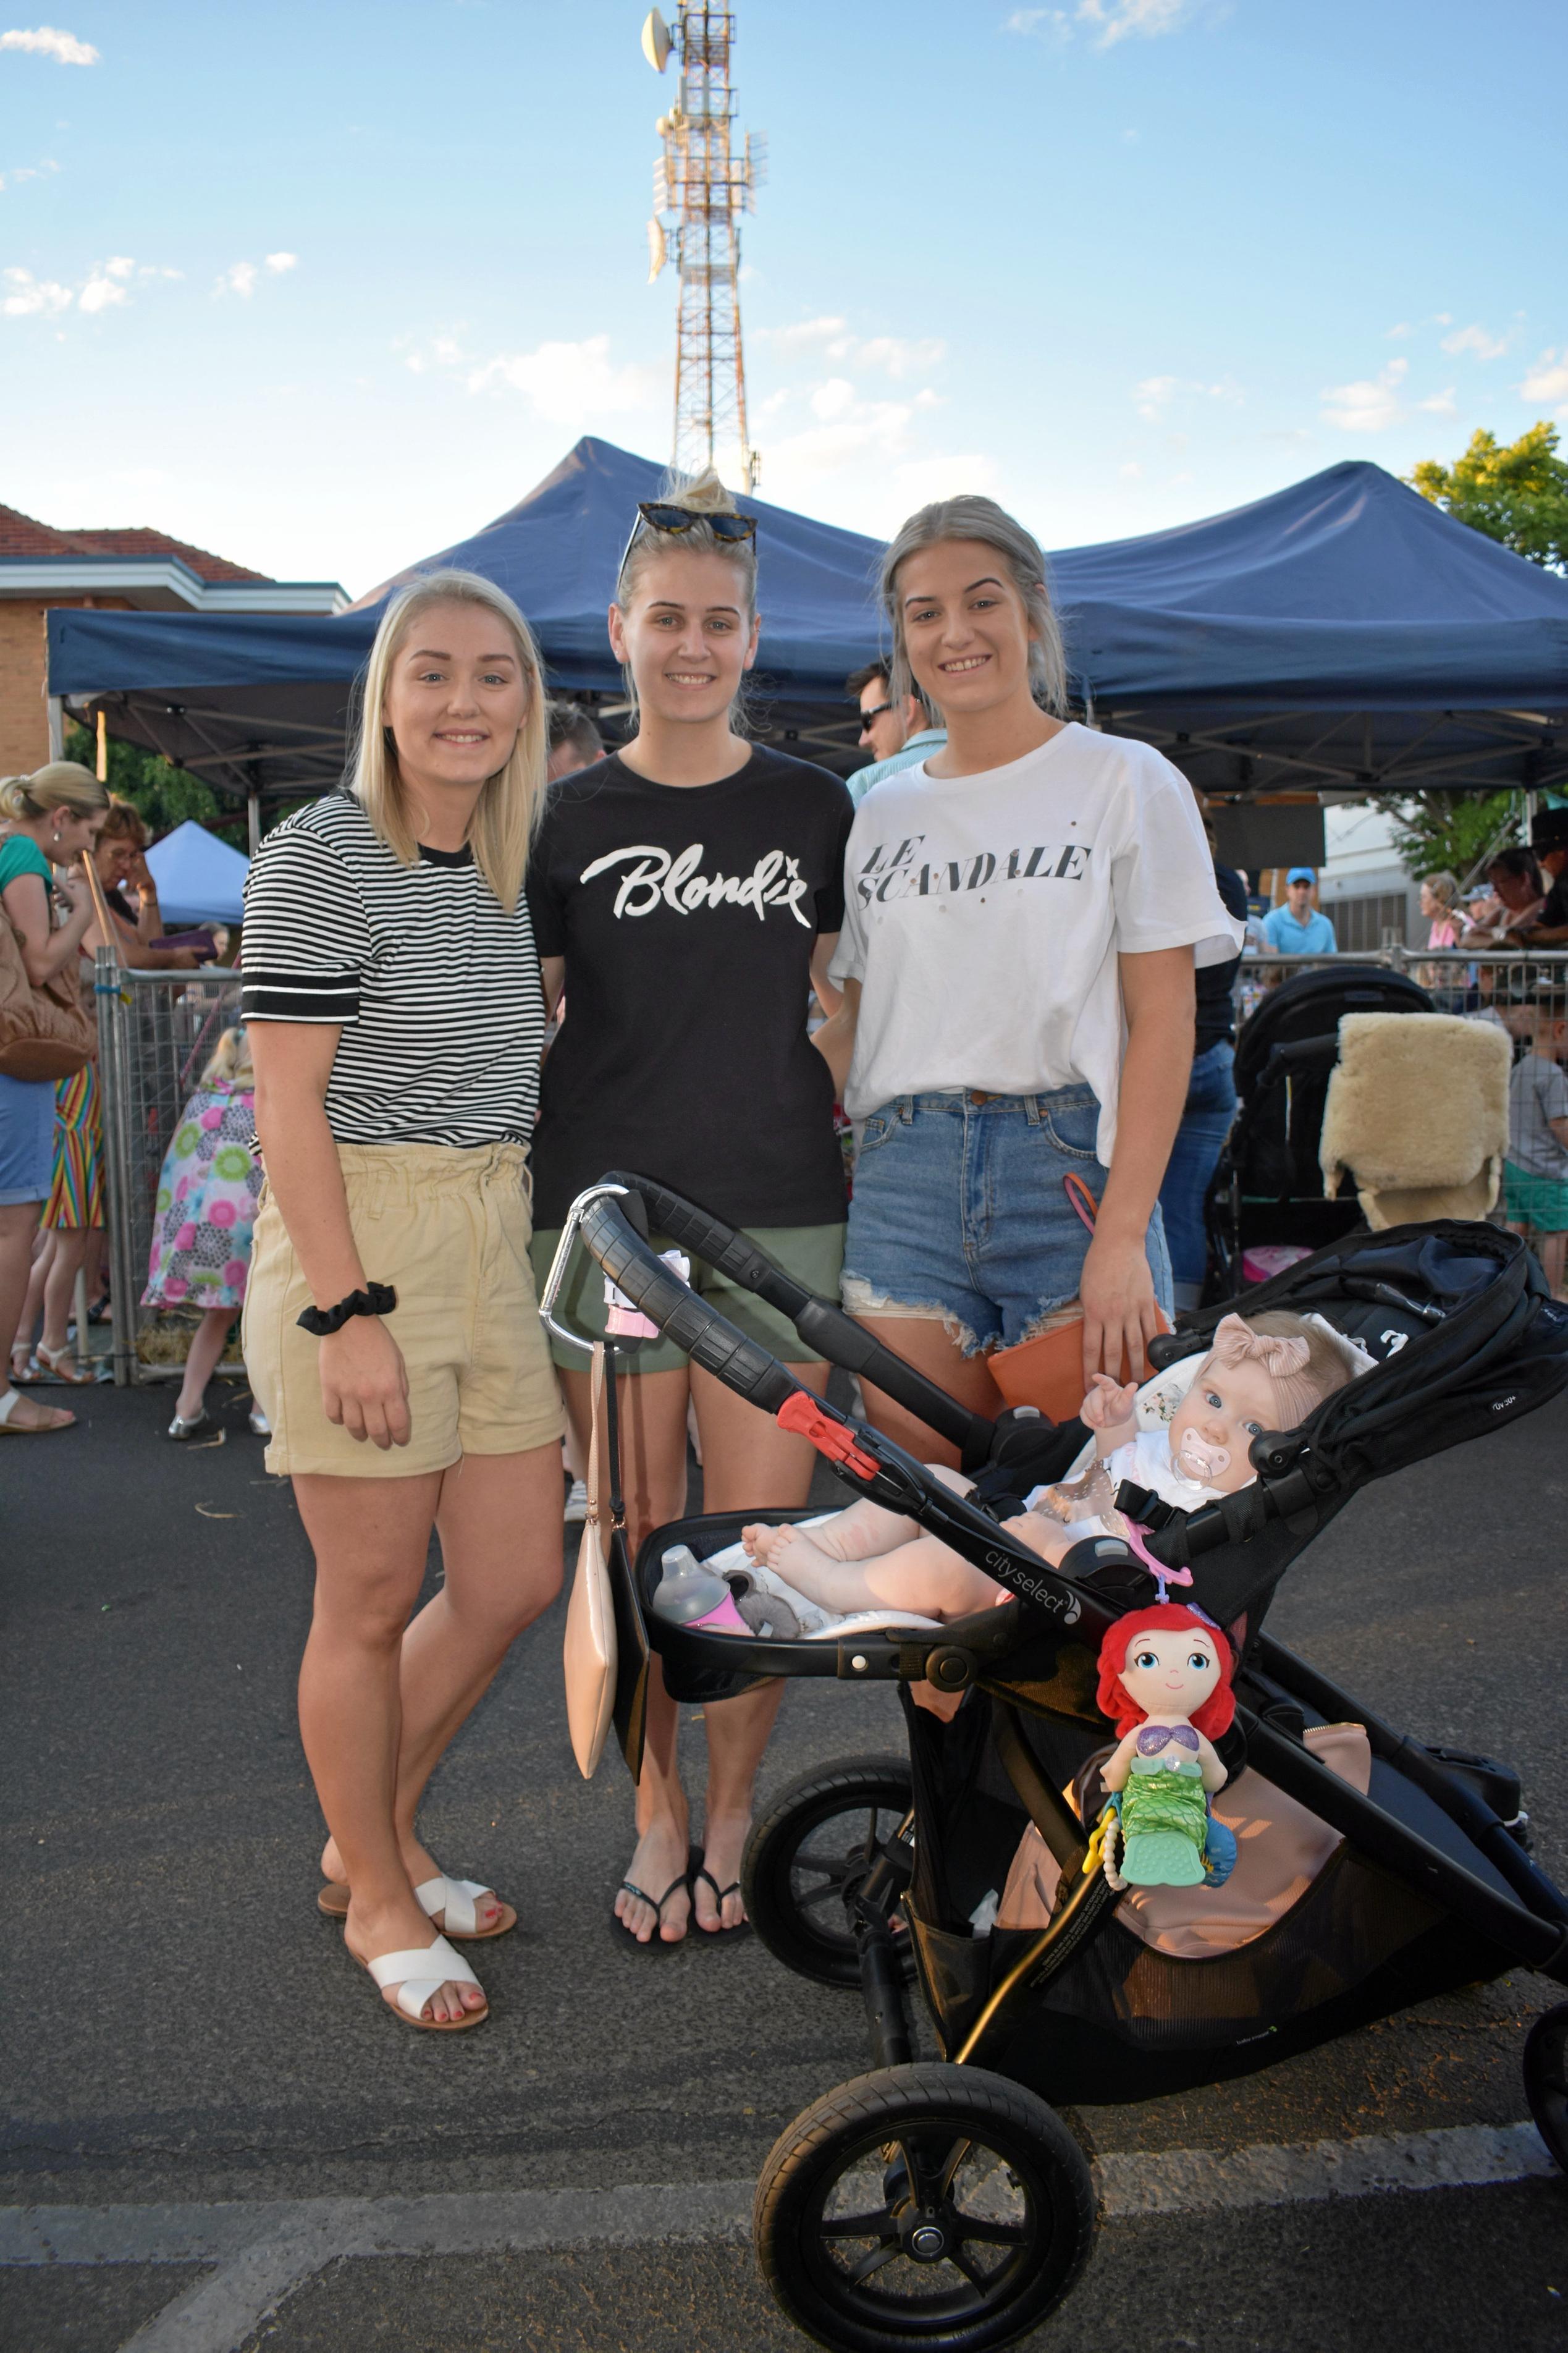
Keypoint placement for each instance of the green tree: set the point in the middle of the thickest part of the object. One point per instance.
(1518, 494)
(1438, 832)
(164, 795)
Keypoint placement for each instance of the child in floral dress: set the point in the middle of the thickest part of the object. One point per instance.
(203, 1219)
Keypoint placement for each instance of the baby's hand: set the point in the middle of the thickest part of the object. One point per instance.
(1108, 1402)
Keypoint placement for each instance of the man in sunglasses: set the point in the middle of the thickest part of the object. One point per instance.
(897, 735)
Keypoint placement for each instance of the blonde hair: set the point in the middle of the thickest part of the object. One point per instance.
(703, 494)
(58, 784)
(1445, 888)
(1327, 1367)
(507, 814)
(969, 516)
(231, 1062)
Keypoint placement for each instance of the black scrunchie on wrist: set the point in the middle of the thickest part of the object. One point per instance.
(377, 1299)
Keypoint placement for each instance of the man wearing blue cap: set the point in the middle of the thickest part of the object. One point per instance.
(1297, 928)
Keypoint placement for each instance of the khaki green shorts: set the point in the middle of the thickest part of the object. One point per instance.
(449, 1230)
(813, 1254)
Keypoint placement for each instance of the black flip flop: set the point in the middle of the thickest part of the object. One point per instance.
(656, 1943)
(715, 1935)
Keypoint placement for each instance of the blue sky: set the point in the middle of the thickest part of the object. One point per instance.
(326, 288)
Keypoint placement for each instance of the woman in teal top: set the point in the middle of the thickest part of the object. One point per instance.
(52, 816)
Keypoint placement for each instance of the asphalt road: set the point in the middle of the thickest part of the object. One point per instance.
(182, 2027)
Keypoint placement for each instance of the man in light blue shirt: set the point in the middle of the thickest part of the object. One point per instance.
(899, 737)
(1297, 928)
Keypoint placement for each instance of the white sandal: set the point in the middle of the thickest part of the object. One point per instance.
(418, 1977)
(454, 1898)
(10, 1399)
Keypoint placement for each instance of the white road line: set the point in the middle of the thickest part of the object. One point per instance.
(1183, 2181)
(265, 2248)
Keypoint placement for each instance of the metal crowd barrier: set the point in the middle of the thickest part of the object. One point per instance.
(156, 1033)
(1493, 981)
(158, 1029)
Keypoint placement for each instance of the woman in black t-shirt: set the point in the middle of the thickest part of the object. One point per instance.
(686, 894)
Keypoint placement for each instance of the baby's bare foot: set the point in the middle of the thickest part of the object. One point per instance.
(801, 1562)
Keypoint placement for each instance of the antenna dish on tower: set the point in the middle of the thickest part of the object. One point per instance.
(656, 40)
(657, 251)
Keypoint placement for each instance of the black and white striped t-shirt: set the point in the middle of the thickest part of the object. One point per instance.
(435, 987)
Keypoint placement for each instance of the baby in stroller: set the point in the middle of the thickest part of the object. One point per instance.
(1269, 1374)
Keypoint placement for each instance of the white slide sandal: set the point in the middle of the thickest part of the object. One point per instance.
(452, 1897)
(419, 1975)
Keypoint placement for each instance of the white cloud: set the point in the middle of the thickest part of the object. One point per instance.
(279, 262)
(1369, 406)
(106, 285)
(801, 332)
(1440, 404)
(1131, 470)
(239, 278)
(834, 400)
(1547, 379)
(901, 358)
(568, 384)
(33, 297)
(1109, 21)
(1118, 19)
(1477, 340)
(1397, 335)
(48, 41)
(1155, 395)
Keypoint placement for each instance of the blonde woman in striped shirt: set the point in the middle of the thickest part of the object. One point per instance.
(392, 993)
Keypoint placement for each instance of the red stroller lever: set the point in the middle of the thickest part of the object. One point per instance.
(801, 1413)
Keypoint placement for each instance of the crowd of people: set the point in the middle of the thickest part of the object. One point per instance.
(502, 960)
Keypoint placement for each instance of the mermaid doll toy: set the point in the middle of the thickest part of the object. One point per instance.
(1164, 1682)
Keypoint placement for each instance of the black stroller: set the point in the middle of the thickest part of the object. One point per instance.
(1267, 1187)
(944, 2203)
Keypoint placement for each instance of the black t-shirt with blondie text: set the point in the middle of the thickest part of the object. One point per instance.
(686, 915)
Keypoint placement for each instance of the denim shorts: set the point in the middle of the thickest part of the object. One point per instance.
(959, 1214)
(26, 1140)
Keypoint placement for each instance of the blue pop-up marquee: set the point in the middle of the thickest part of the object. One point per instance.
(1343, 632)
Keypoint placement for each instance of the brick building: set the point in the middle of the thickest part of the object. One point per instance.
(121, 571)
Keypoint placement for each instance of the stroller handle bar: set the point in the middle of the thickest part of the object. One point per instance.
(865, 1459)
(651, 1206)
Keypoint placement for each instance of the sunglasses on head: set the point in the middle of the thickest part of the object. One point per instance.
(656, 516)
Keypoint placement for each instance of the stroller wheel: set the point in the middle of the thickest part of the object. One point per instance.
(822, 1834)
(1546, 2079)
(927, 2207)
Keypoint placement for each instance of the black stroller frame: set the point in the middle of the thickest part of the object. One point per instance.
(970, 2205)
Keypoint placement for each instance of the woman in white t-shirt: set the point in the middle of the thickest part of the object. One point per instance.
(1025, 911)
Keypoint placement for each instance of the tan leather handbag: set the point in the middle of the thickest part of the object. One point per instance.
(589, 1653)
(44, 1033)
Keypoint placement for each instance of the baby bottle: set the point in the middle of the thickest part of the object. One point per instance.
(691, 1595)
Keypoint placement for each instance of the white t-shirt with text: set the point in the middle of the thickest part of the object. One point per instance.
(984, 916)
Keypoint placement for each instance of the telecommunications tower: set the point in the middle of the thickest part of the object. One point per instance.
(702, 185)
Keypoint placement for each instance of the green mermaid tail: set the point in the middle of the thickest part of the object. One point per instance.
(1162, 1859)
(1164, 1821)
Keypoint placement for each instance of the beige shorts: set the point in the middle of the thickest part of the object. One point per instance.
(450, 1230)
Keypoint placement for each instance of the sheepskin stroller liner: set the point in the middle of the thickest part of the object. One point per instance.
(1267, 1187)
(1428, 1888)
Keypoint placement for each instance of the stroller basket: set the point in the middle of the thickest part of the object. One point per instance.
(1422, 1882)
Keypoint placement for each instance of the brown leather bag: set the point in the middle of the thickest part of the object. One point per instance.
(44, 1033)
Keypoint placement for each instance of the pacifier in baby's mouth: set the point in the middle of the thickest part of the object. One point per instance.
(1200, 1461)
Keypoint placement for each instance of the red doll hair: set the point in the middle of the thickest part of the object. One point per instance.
(1217, 1712)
